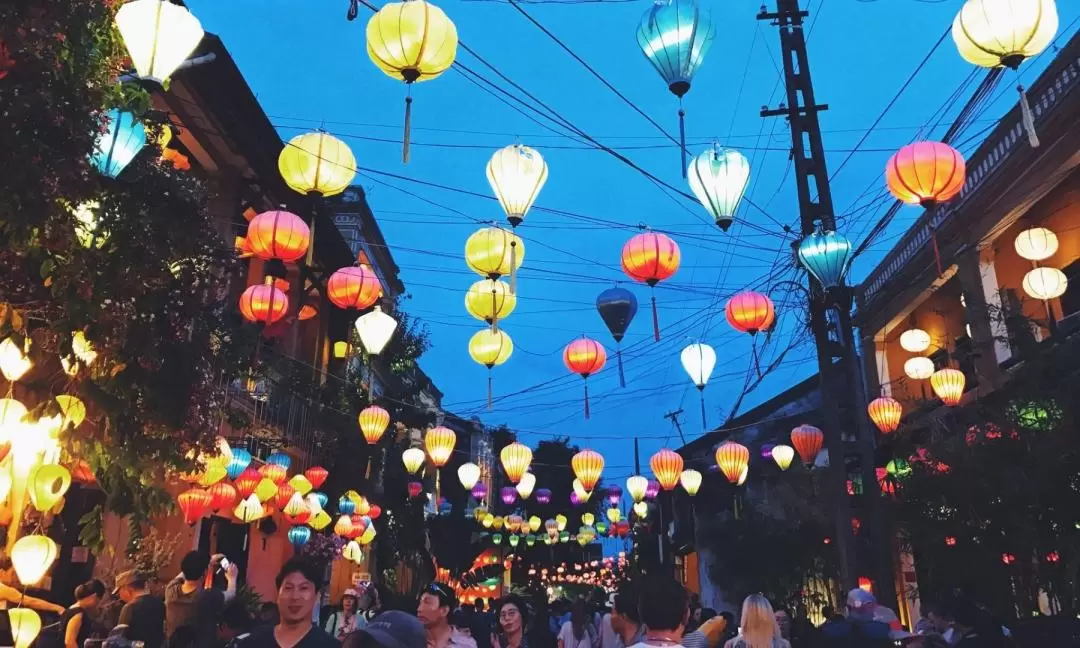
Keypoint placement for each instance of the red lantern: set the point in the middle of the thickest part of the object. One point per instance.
(359, 526)
(885, 412)
(247, 482)
(948, 384)
(283, 495)
(374, 512)
(807, 440)
(263, 303)
(307, 311)
(750, 312)
(415, 488)
(274, 473)
(278, 234)
(667, 465)
(733, 459)
(194, 504)
(316, 475)
(925, 173)
(585, 356)
(650, 258)
(353, 287)
(587, 465)
(222, 496)
(950, 541)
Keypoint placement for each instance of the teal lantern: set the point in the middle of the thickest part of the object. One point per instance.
(119, 145)
(718, 177)
(496, 538)
(239, 462)
(346, 506)
(530, 540)
(299, 536)
(826, 255)
(283, 460)
(322, 498)
(514, 540)
(675, 35)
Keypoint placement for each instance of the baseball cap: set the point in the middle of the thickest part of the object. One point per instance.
(396, 629)
(123, 579)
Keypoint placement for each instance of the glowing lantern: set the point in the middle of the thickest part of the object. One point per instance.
(411, 41)
(343, 527)
(588, 465)
(614, 495)
(194, 504)
(948, 384)
(667, 465)
(750, 312)
(490, 300)
(222, 496)
(514, 523)
(266, 489)
(690, 480)
(86, 225)
(515, 459)
(718, 178)
(490, 348)
(993, 33)
(415, 488)
(342, 349)
(732, 458)
(307, 312)
(925, 173)
(534, 524)
(25, 626)
(614, 515)
(807, 440)
(494, 252)
(299, 536)
(1036, 244)
(300, 484)
(48, 483)
(158, 35)
(413, 458)
(1045, 283)
(375, 329)
(72, 409)
(363, 506)
(274, 473)
(479, 490)
(699, 360)
(247, 481)
(637, 486)
(352, 552)
(296, 506)
(14, 361)
(353, 287)
(278, 234)
(915, 340)
(249, 510)
(508, 495)
(543, 496)
(119, 145)
(32, 556)
(440, 443)
(316, 475)
(650, 258)
(782, 455)
(468, 475)
(317, 164)
(320, 520)
(526, 485)
(641, 509)
(239, 462)
(826, 255)
(263, 303)
(373, 423)
(561, 521)
(530, 540)
(919, 368)
(885, 412)
(487, 521)
(516, 173)
(585, 356)
(496, 538)
(284, 495)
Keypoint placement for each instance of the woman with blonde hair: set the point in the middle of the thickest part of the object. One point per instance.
(757, 626)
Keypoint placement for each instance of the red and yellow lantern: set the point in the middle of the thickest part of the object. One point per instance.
(925, 173)
(439, 442)
(651, 257)
(353, 287)
(263, 303)
(588, 465)
(222, 496)
(948, 384)
(585, 356)
(733, 460)
(194, 504)
(667, 466)
(284, 495)
(750, 312)
(807, 440)
(316, 475)
(885, 412)
(515, 458)
(373, 423)
(278, 234)
(247, 482)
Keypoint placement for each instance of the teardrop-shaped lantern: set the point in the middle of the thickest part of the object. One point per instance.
(885, 412)
(48, 483)
(25, 626)
(807, 440)
(651, 257)
(690, 480)
(993, 33)
(588, 465)
(413, 459)
(375, 329)
(637, 486)
(584, 356)
(373, 423)
(468, 474)
(491, 349)
(617, 307)
(355, 287)
(782, 455)
(526, 485)
(32, 556)
(119, 144)
(515, 459)
(516, 173)
(732, 458)
(718, 177)
(925, 173)
(158, 35)
(317, 164)
(826, 255)
(667, 465)
(698, 360)
(750, 312)
(440, 442)
(948, 384)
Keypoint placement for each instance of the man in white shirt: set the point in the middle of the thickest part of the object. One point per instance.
(664, 612)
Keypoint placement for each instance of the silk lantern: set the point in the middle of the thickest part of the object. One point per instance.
(948, 384)
(543, 496)
(1045, 283)
(300, 484)
(490, 300)
(667, 466)
(468, 474)
(919, 368)
(479, 491)
(317, 164)
(122, 140)
(278, 234)
(1036, 244)
(750, 312)
(439, 442)
(194, 504)
(515, 459)
(266, 489)
(495, 252)
(263, 303)
(239, 462)
(373, 422)
(526, 485)
(415, 488)
(159, 35)
(222, 496)
(299, 536)
(925, 173)
(699, 360)
(247, 481)
(690, 480)
(375, 329)
(885, 412)
(490, 348)
(637, 486)
(732, 458)
(807, 440)
(316, 475)
(584, 356)
(535, 523)
(580, 493)
(617, 307)
(588, 465)
(249, 510)
(915, 340)
(782, 455)
(355, 287)
(508, 495)
(413, 458)
(25, 626)
(516, 173)
(718, 177)
(651, 257)
(283, 496)
(641, 509)
(826, 255)
(320, 520)
(32, 556)
(48, 483)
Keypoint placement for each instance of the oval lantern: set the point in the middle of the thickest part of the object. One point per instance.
(25, 626)
(373, 423)
(649, 258)
(782, 455)
(263, 303)
(588, 466)
(617, 307)
(948, 384)
(317, 164)
(1045, 283)
(515, 459)
(733, 459)
(479, 491)
(48, 483)
(919, 368)
(194, 504)
(32, 556)
(826, 255)
(490, 300)
(807, 440)
(718, 178)
(119, 144)
(508, 495)
(516, 173)
(925, 173)
(994, 33)
(885, 412)
(353, 287)
(915, 340)
(468, 474)
(750, 312)
(667, 465)
(490, 348)
(278, 234)
(375, 329)
(526, 485)
(440, 442)
(690, 480)
(584, 356)
(413, 459)
(1036, 244)
(494, 252)
(159, 35)
(637, 487)
(299, 536)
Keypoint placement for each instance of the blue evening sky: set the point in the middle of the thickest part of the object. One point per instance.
(309, 68)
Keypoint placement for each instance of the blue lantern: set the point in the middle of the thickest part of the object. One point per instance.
(283, 460)
(117, 147)
(299, 536)
(323, 499)
(826, 256)
(241, 459)
(675, 35)
(346, 506)
(617, 307)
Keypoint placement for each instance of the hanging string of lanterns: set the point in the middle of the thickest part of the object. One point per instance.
(667, 466)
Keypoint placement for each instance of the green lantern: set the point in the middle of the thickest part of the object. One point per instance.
(530, 540)
(496, 538)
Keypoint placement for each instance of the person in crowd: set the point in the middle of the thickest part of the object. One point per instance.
(730, 628)
(236, 625)
(298, 586)
(462, 621)
(392, 629)
(757, 626)
(143, 613)
(513, 618)
(342, 622)
(437, 603)
(803, 632)
(664, 611)
(973, 628)
(626, 617)
(858, 628)
(578, 631)
(481, 624)
(75, 623)
(268, 614)
(783, 623)
(198, 595)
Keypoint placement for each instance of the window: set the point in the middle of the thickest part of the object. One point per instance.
(1070, 301)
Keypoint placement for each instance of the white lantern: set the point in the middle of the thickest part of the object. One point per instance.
(526, 485)
(1045, 283)
(14, 361)
(1036, 244)
(468, 474)
(919, 368)
(517, 173)
(699, 360)
(992, 33)
(718, 177)
(375, 330)
(915, 340)
(158, 35)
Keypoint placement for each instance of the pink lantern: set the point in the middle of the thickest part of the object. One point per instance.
(508, 495)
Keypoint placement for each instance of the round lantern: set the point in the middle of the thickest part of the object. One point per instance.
(373, 423)
(652, 490)
(919, 368)
(508, 495)
(468, 474)
(411, 41)
(543, 496)
(343, 527)
(194, 504)
(299, 536)
(1045, 283)
(993, 33)
(732, 458)
(32, 556)
(516, 173)
(948, 384)
(925, 173)
(317, 164)
(807, 440)
(353, 287)
(263, 303)
(479, 491)
(885, 412)
(494, 252)
(915, 340)
(535, 523)
(584, 356)
(667, 466)
(526, 485)
(637, 487)
(826, 255)
(415, 488)
(614, 515)
(651, 257)
(587, 465)
(690, 480)
(118, 145)
(515, 458)
(490, 300)
(1036, 244)
(159, 35)
(439, 442)
(278, 234)
(413, 458)
(718, 178)
(750, 312)
(561, 521)
(782, 455)
(375, 329)
(490, 348)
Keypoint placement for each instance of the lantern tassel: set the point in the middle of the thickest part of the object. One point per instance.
(491, 404)
(513, 266)
(655, 320)
(937, 251)
(586, 398)
(704, 424)
(754, 355)
(1027, 117)
(682, 137)
(618, 356)
(354, 9)
(408, 128)
(494, 311)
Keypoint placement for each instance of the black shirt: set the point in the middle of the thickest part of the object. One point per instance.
(145, 619)
(263, 637)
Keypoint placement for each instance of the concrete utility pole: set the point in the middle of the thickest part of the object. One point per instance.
(848, 437)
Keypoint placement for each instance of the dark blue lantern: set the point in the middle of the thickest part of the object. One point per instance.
(617, 307)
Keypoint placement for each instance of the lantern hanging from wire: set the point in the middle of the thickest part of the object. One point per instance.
(413, 459)
(222, 496)
(299, 536)
(468, 474)
(1036, 244)
(617, 307)
(915, 340)
(515, 459)
(516, 174)
(718, 178)
(585, 357)
(246, 482)
(919, 368)
(47, 485)
(637, 487)
(490, 348)
(278, 234)
(373, 422)
(355, 287)
(508, 495)
(782, 455)
(925, 173)
(667, 465)
(885, 412)
(807, 440)
(1045, 283)
(249, 510)
(750, 312)
(675, 35)
(732, 458)
(826, 255)
(375, 329)
(641, 509)
(194, 504)
(690, 480)
(412, 41)
(159, 35)
(948, 384)
(495, 252)
(526, 485)
(263, 303)
(32, 556)
(588, 465)
(439, 442)
(699, 360)
(119, 144)
(490, 300)
(317, 164)
(651, 257)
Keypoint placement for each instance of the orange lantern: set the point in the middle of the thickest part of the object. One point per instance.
(274, 472)
(667, 465)
(263, 303)
(807, 440)
(585, 356)
(948, 384)
(222, 496)
(316, 475)
(284, 495)
(440, 444)
(278, 234)
(885, 412)
(307, 311)
(516, 458)
(750, 312)
(733, 460)
(194, 504)
(925, 173)
(650, 258)
(373, 422)
(587, 465)
(353, 287)
(80, 470)
(247, 482)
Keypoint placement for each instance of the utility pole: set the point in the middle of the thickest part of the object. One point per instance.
(848, 438)
(674, 418)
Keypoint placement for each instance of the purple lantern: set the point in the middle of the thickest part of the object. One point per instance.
(574, 499)
(479, 491)
(614, 494)
(543, 496)
(652, 490)
(508, 495)
(766, 451)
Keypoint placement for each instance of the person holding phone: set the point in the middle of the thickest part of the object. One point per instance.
(198, 594)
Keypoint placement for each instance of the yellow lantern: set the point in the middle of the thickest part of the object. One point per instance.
(32, 556)
(343, 527)
(213, 474)
(14, 359)
(526, 485)
(993, 33)
(72, 408)
(919, 368)
(560, 521)
(363, 506)
(412, 41)
(490, 300)
(488, 520)
(1045, 283)
(373, 423)
(266, 489)
(587, 465)
(636, 486)
(494, 252)
(342, 349)
(47, 485)
(948, 384)
(320, 520)
(1036, 244)
(782, 455)
(587, 519)
(158, 35)
(368, 535)
(249, 510)
(490, 348)
(25, 626)
(516, 458)
(516, 173)
(317, 164)
(413, 458)
(691, 481)
(439, 440)
(295, 506)
(468, 474)
(614, 515)
(498, 523)
(641, 509)
(300, 484)
(352, 552)
(11, 418)
(743, 475)
(534, 523)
